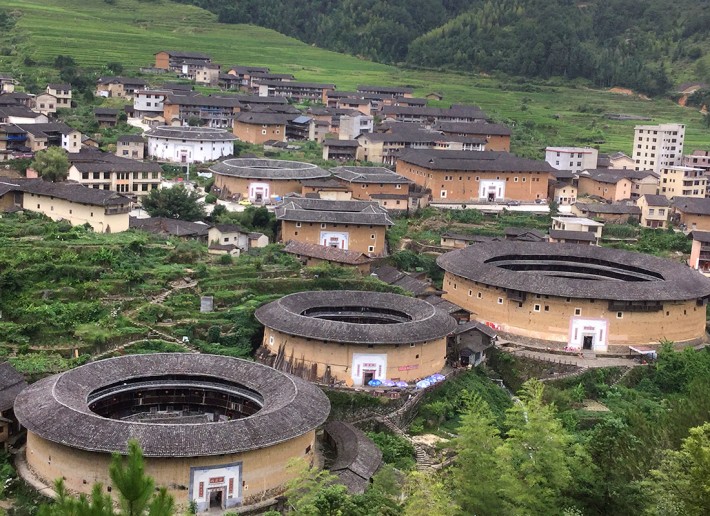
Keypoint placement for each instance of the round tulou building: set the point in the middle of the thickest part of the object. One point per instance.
(577, 297)
(215, 430)
(262, 180)
(354, 336)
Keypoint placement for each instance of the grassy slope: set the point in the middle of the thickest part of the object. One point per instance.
(130, 32)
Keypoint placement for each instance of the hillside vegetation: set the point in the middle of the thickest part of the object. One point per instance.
(129, 32)
(609, 42)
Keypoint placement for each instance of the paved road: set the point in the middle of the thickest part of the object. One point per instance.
(573, 359)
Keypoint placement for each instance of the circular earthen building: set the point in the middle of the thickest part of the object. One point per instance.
(355, 336)
(262, 180)
(577, 296)
(215, 430)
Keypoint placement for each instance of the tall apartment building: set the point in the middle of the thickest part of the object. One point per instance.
(658, 146)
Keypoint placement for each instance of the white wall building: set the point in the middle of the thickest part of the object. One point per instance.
(658, 146)
(352, 126)
(575, 159)
(148, 102)
(189, 144)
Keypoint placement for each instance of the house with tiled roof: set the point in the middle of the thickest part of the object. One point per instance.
(497, 136)
(692, 213)
(349, 225)
(107, 171)
(616, 185)
(11, 383)
(312, 255)
(655, 210)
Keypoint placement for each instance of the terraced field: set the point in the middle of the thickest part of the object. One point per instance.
(130, 32)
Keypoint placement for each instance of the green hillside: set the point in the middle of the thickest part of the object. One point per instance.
(94, 33)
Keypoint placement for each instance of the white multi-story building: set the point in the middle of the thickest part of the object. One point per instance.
(575, 159)
(658, 146)
(189, 144)
(148, 102)
(682, 181)
(352, 126)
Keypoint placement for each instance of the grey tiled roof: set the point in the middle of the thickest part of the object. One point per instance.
(667, 280)
(338, 212)
(167, 226)
(261, 168)
(425, 322)
(700, 236)
(611, 209)
(56, 408)
(134, 138)
(483, 161)
(692, 205)
(368, 175)
(322, 252)
(657, 200)
(11, 383)
(190, 133)
(358, 457)
(477, 128)
(385, 89)
(566, 234)
(69, 191)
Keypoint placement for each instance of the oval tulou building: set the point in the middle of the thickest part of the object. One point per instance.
(354, 337)
(578, 297)
(214, 430)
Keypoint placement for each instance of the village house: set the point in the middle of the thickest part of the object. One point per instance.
(380, 184)
(680, 181)
(258, 128)
(130, 146)
(464, 176)
(431, 115)
(350, 225)
(353, 125)
(326, 188)
(62, 92)
(700, 251)
(312, 255)
(119, 87)
(340, 150)
(45, 103)
(18, 114)
(243, 74)
(452, 240)
(497, 136)
(616, 213)
(211, 111)
(206, 74)
(655, 210)
(11, 383)
(575, 230)
(470, 342)
(104, 211)
(395, 91)
(295, 90)
(698, 159)
(174, 59)
(189, 144)
(575, 159)
(416, 283)
(37, 137)
(167, 227)
(386, 147)
(107, 171)
(149, 103)
(620, 161)
(692, 213)
(616, 185)
(564, 193)
(106, 117)
(16, 98)
(7, 83)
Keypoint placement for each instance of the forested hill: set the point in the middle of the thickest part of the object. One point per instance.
(640, 44)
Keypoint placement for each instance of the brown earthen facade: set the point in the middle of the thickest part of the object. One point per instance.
(257, 134)
(367, 239)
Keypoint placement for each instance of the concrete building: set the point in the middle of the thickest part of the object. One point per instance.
(107, 171)
(262, 181)
(352, 126)
(465, 177)
(149, 102)
(295, 90)
(616, 185)
(680, 181)
(130, 146)
(216, 432)
(45, 104)
(119, 87)
(563, 193)
(37, 137)
(658, 146)
(62, 92)
(173, 59)
(700, 252)
(655, 210)
(350, 225)
(575, 230)
(576, 297)
(620, 161)
(355, 337)
(189, 144)
(575, 159)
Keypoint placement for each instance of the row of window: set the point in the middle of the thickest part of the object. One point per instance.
(121, 175)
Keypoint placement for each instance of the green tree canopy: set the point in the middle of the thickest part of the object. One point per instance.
(51, 164)
(174, 203)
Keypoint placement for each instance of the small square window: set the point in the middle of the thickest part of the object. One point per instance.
(298, 224)
(536, 308)
(500, 300)
(547, 308)
(619, 315)
(323, 225)
(479, 295)
(577, 311)
(470, 293)
(371, 249)
(372, 236)
(412, 345)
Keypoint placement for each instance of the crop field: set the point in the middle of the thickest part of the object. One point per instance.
(130, 32)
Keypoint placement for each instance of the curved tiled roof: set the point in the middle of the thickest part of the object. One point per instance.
(571, 270)
(190, 133)
(56, 408)
(258, 168)
(425, 322)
